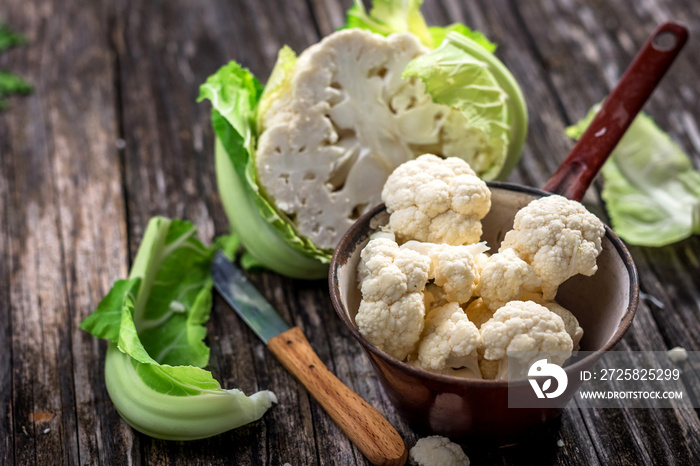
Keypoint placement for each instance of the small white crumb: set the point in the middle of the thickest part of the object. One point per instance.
(437, 451)
(120, 144)
(560, 443)
(287, 464)
(677, 354)
(46, 431)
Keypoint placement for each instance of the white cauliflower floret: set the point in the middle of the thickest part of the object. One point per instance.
(478, 312)
(452, 267)
(392, 310)
(342, 121)
(523, 332)
(436, 200)
(505, 277)
(558, 237)
(437, 451)
(449, 340)
(570, 321)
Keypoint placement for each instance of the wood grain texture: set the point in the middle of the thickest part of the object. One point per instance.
(112, 135)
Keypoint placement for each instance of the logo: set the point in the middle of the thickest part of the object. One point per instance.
(542, 368)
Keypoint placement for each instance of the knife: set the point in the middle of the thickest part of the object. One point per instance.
(365, 426)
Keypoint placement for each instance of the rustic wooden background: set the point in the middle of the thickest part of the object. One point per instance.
(112, 136)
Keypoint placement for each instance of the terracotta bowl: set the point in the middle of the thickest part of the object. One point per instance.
(465, 409)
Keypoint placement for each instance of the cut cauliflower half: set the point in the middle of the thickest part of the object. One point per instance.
(437, 451)
(392, 311)
(522, 332)
(436, 200)
(505, 277)
(558, 237)
(449, 340)
(451, 267)
(343, 121)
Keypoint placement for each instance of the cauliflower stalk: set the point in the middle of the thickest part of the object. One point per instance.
(310, 152)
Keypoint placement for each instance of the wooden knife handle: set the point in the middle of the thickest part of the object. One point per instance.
(364, 425)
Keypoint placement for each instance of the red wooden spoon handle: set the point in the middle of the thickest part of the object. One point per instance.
(577, 172)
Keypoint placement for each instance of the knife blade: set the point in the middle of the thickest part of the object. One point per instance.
(245, 299)
(371, 433)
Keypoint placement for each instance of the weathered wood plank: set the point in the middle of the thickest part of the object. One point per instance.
(64, 234)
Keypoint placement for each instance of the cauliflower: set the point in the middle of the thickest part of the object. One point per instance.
(437, 451)
(558, 237)
(452, 267)
(570, 321)
(524, 332)
(345, 120)
(478, 312)
(505, 277)
(449, 340)
(436, 201)
(434, 296)
(392, 309)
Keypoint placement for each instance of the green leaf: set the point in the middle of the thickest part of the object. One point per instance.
(155, 322)
(440, 33)
(461, 74)
(267, 235)
(8, 38)
(651, 191)
(390, 16)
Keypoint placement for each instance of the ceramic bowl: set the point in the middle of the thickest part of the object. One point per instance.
(464, 409)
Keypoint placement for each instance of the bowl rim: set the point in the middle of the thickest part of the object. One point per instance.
(346, 242)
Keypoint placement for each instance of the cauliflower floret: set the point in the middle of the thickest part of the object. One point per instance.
(505, 277)
(436, 201)
(449, 340)
(570, 321)
(478, 312)
(437, 451)
(558, 237)
(523, 332)
(452, 267)
(392, 310)
(338, 124)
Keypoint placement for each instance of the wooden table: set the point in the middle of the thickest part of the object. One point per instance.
(112, 136)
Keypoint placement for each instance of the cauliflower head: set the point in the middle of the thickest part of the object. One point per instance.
(505, 277)
(392, 311)
(558, 237)
(523, 332)
(436, 200)
(342, 121)
(449, 340)
(437, 451)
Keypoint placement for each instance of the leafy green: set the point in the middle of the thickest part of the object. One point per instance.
(155, 321)
(267, 235)
(8, 38)
(392, 16)
(651, 191)
(463, 75)
(11, 84)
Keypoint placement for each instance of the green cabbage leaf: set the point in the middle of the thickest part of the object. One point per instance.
(155, 323)
(650, 189)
